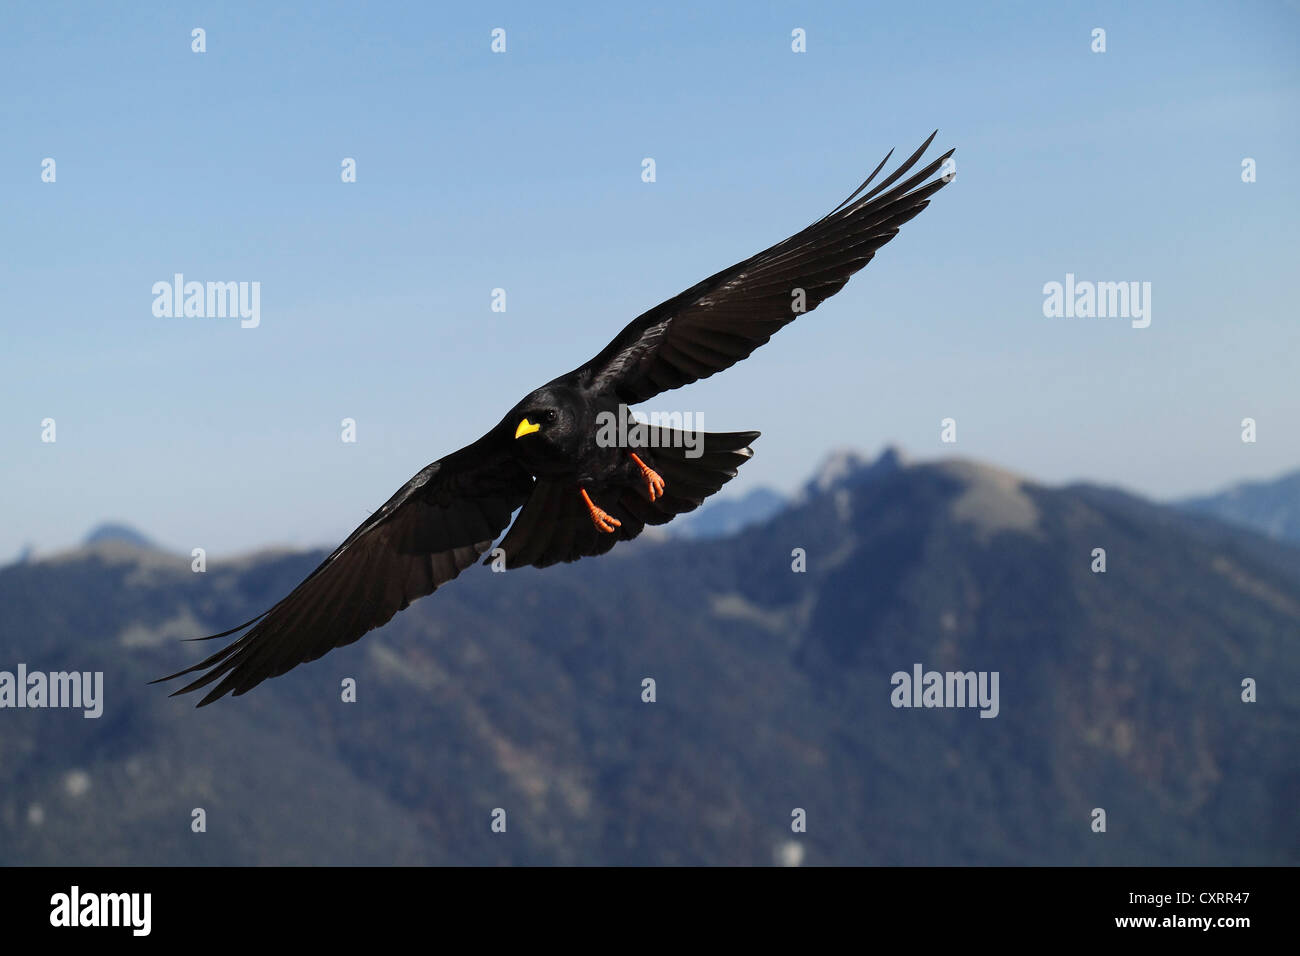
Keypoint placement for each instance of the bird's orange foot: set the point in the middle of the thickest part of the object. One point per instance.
(601, 518)
(654, 485)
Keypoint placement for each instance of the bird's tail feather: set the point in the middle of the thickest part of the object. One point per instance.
(554, 525)
(691, 472)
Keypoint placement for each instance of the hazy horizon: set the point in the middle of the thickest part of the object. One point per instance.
(735, 490)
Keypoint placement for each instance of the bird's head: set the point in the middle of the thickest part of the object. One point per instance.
(544, 424)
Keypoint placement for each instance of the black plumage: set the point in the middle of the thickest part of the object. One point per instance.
(575, 495)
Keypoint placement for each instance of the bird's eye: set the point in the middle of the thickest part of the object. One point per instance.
(548, 416)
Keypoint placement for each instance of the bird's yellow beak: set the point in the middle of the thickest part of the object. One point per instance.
(526, 428)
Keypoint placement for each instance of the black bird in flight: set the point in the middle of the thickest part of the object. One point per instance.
(579, 494)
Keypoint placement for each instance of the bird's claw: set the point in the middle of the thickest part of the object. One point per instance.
(605, 522)
(602, 519)
(654, 484)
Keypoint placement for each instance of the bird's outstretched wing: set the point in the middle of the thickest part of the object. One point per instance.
(433, 528)
(716, 323)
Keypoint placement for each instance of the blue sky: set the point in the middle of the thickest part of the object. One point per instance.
(522, 171)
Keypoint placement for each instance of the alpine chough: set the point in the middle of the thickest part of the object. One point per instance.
(554, 458)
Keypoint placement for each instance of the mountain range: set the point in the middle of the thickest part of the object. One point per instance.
(1270, 507)
(774, 646)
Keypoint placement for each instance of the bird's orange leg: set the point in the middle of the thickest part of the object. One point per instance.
(654, 484)
(601, 518)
